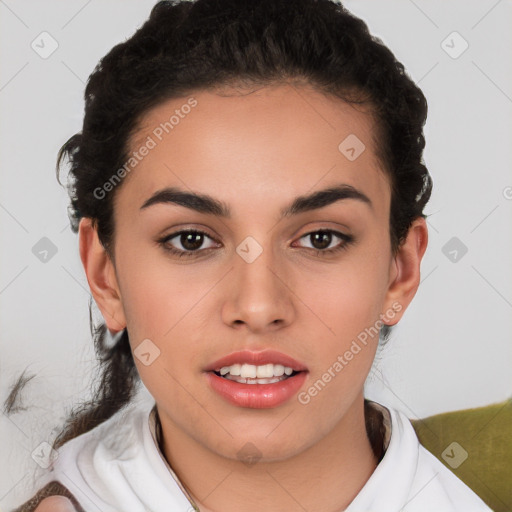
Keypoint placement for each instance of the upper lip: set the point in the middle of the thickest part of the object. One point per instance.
(256, 359)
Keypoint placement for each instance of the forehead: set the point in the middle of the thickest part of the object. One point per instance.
(280, 141)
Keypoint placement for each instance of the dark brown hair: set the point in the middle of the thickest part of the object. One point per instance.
(187, 46)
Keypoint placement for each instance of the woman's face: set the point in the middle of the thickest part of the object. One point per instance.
(265, 269)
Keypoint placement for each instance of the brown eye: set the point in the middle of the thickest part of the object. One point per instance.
(187, 243)
(321, 239)
(191, 241)
(326, 241)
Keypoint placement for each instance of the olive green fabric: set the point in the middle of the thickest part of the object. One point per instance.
(476, 444)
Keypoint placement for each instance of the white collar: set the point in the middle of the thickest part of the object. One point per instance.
(118, 466)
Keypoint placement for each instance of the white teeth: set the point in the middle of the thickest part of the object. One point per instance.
(235, 369)
(250, 371)
(264, 371)
(278, 370)
(272, 380)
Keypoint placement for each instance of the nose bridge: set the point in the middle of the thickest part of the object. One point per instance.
(253, 270)
(258, 296)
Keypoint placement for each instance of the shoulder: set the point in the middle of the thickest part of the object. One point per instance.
(53, 497)
(55, 504)
(428, 484)
(96, 464)
(117, 438)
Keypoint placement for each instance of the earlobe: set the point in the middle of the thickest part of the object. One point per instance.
(405, 275)
(101, 276)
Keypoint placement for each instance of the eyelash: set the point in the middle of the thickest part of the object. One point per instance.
(164, 242)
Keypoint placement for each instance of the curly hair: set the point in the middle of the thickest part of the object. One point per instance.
(188, 46)
(206, 44)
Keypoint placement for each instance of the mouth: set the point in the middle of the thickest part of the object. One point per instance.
(252, 374)
(256, 379)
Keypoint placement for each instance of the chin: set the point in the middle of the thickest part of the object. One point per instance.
(259, 445)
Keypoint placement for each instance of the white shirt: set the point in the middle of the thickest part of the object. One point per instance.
(118, 467)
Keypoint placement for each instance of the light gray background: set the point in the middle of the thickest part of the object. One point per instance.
(453, 348)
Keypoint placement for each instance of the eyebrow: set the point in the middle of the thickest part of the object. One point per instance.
(206, 204)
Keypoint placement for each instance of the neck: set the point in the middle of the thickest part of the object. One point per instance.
(336, 468)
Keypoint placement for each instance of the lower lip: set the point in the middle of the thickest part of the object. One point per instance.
(256, 396)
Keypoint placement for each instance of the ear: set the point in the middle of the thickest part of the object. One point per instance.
(405, 272)
(101, 276)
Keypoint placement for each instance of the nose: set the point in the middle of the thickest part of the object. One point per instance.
(258, 296)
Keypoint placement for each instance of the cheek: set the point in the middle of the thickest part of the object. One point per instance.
(161, 323)
(349, 297)
(344, 352)
(156, 293)
(347, 307)
(347, 302)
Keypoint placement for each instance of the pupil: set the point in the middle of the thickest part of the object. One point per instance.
(191, 241)
(324, 239)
